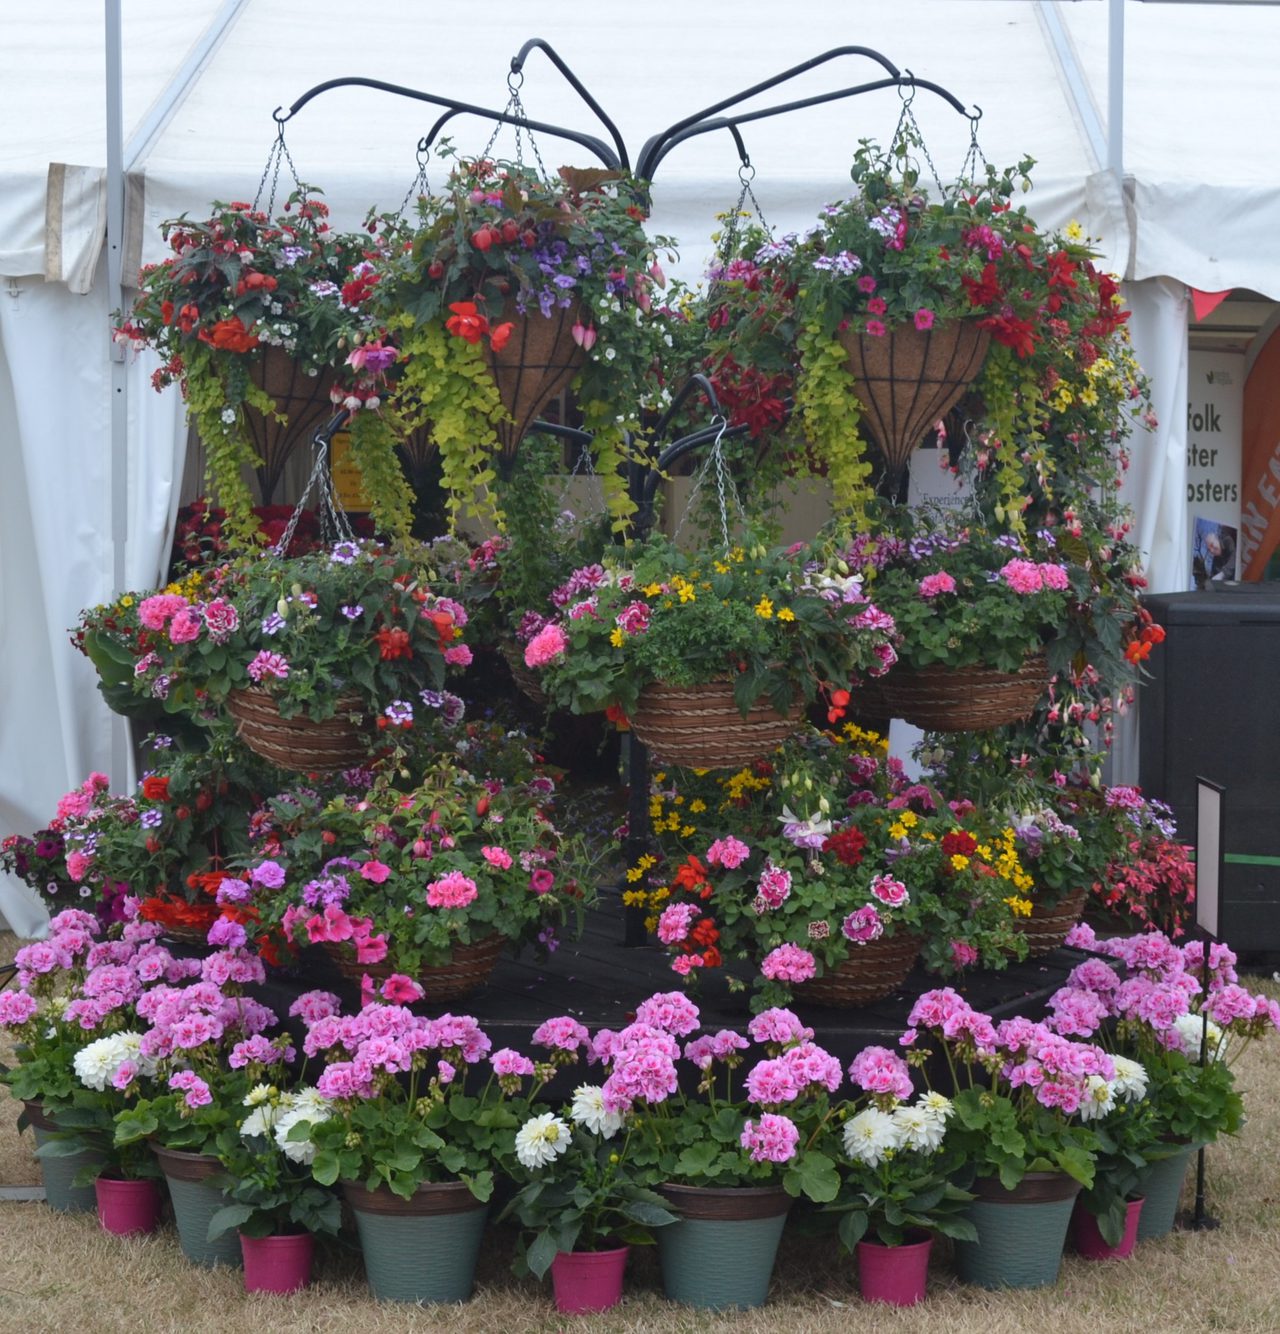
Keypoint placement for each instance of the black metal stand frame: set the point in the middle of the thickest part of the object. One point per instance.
(649, 461)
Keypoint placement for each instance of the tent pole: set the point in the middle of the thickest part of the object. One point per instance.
(119, 383)
(1115, 90)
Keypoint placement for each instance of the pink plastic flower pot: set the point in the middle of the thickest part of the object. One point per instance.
(127, 1208)
(896, 1275)
(277, 1264)
(588, 1280)
(1091, 1244)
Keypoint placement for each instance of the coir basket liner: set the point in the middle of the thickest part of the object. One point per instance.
(700, 727)
(963, 699)
(300, 743)
(467, 971)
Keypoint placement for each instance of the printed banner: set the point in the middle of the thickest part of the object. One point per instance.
(1260, 474)
(1215, 405)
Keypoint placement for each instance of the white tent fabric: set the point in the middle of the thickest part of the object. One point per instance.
(1201, 207)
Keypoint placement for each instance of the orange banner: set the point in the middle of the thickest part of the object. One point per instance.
(1260, 462)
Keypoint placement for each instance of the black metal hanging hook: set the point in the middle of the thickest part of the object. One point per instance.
(455, 107)
(708, 120)
(539, 44)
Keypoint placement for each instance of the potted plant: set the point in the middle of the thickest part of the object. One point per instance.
(306, 654)
(513, 288)
(896, 1187)
(1017, 1124)
(415, 1157)
(1149, 1006)
(973, 610)
(730, 1160)
(259, 320)
(273, 1201)
(711, 656)
(581, 1197)
(831, 873)
(208, 1043)
(432, 880)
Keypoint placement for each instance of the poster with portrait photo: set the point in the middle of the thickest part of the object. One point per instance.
(1213, 552)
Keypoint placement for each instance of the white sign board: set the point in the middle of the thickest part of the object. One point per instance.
(1208, 855)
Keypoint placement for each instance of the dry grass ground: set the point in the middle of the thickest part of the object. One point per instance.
(62, 1272)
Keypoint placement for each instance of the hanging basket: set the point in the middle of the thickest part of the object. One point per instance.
(908, 378)
(300, 743)
(468, 969)
(303, 399)
(535, 364)
(868, 973)
(700, 727)
(963, 699)
(526, 678)
(1047, 928)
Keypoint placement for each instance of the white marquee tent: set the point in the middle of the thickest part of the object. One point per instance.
(1185, 193)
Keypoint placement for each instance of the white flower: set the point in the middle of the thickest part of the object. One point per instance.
(229, 416)
(541, 1140)
(1099, 1098)
(259, 1121)
(588, 1110)
(936, 1104)
(870, 1137)
(918, 1128)
(96, 1064)
(1189, 1027)
(1131, 1079)
(258, 1094)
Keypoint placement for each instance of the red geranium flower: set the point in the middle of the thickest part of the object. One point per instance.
(393, 642)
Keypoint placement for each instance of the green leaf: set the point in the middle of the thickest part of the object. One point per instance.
(542, 1253)
(228, 1217)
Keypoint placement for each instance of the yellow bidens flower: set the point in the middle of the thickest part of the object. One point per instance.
(697, 806)
(636, 873)
(616, 637)
(1019, 907)
(1074, 231)
(786, 614)
(764, 609)
(959, 862)
(684, 588)
(651, 590)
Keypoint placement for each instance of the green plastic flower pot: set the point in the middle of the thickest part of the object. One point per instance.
(721, 1252)
(423, 1249)
(195, 1202)
(60, 1170)
(1021, 1232)
(1162, 1186)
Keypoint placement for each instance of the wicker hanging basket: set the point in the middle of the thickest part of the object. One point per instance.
(526, 678)
(1047, 928)
(869, 972)
(535, 364)
(299, 743)
(963, 699)
(908, 378)
(700, 727)
(304, 401)
(468, 970)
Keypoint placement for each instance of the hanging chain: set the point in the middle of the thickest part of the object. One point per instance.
(726, 490)
(419, 186)
(515, 107)
(729, 238)
(908, 129)
(279, 153)
(975, 155)
(333, 518)
(582, 463)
